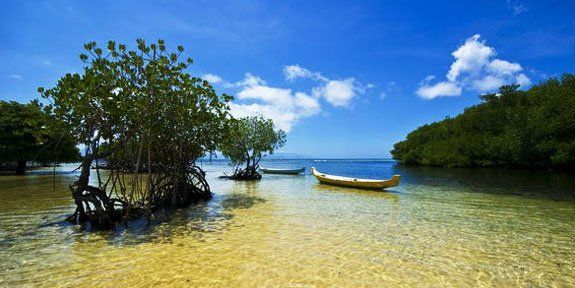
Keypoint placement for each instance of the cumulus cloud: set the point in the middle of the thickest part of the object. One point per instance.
(523, 80)
(338, 93)
(283, 106)
(267, 94)
(475, 68)
(293, 72)
(15, 76)
(213, 79)
(430, 91)
(254, 96)
(470, 58)
(250, 80)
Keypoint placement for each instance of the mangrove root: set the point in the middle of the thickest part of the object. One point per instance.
(250, 173)
(95, 208)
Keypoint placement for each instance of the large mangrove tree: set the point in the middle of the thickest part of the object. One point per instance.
(151, 116)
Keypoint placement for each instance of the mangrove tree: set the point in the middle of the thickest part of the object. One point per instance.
(249, 139)
(147, 111)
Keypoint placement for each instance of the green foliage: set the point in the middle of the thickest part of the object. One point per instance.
(28, 133)
(141, 106)
(144, 96)
(250, 139)
(140, 94)
(533, 128)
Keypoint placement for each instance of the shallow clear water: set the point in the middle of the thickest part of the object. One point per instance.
(441, 227)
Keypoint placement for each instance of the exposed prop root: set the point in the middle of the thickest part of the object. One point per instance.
(181, 190)
(250, 173)
(96, 208)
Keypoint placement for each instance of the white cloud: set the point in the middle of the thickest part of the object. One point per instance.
(475, 68)
(523, 80)
(488, 83)
(266, 94)
(470, 58)
(15, 76)
(338, 93)
(309, 106)
(213, 79)
(283, 118)
(284, 106)
(503, 67)
(293, 72)
(445, 88)
(250, 80)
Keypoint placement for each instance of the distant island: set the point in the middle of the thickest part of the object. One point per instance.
(512, 128)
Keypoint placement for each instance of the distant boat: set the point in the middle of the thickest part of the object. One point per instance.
(355, 182)
(282, 171)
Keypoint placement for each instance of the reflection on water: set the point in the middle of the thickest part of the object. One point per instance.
(542, 184)
(441, 227)
(388, 194)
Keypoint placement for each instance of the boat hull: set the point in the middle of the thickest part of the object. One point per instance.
(355, 182)
(283, 171)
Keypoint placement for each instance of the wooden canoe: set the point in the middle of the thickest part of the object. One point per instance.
(355, 182)
(282, 171)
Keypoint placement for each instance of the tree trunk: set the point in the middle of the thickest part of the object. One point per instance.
(21, 167)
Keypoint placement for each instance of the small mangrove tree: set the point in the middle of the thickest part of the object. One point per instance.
(249, 139)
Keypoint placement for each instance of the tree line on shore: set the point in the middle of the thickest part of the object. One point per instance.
(512, 128)
(29, 133)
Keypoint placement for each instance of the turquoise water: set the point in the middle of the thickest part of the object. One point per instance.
(440, 227)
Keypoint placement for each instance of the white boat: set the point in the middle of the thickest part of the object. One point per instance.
(282, 171)
(355, 182)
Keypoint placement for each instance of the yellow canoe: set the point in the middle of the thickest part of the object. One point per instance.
(355, 182)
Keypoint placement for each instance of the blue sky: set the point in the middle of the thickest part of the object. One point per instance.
(345, 78)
